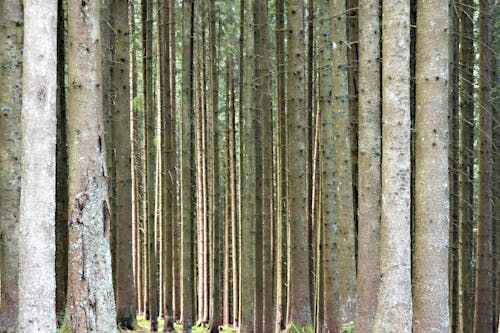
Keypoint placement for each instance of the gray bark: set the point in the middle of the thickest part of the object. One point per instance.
(36, 285)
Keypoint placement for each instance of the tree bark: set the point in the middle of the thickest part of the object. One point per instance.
(187, 204)
(90, 302)
(484, 302)
(328, 238)
(431, 293)
(369, 151)
(125, 291)
(466, 172)
(36, 283)
(11, 44)
(394, 303)
(299, 305)
(341, 122)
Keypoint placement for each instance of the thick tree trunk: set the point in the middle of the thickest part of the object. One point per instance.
(11, 44)
(299, 305)
(369, 151)
(394, 303)
(341, 122)
(90, 302)
(36, 283)
(431, 308)
(120, 83)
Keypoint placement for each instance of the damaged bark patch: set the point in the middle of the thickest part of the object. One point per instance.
(105, 218)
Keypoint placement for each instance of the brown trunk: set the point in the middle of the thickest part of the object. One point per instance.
(90, 302)
(483, 307)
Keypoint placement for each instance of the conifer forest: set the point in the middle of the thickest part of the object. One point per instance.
(252, 166)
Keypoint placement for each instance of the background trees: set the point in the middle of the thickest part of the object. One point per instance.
(256, 179)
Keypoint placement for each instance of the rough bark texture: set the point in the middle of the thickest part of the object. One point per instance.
(187, 204)
(344, 211)
(11, 44)
(431, 308)
(248, 178)
(466, 173)
(299, 305)
(484, 301)
(328, 238)
(90, 302)
(36, 283)
(369, 150)
(125, 292)
(394, 303)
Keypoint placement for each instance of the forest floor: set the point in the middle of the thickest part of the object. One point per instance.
(143, 326)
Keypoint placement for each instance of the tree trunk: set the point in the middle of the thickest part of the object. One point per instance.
(431, 293)
(394, 303)
(281, 171)
(125, 292)
(328, 236)
(483, 306)
(36, 283)
(90, 302)
(369, 151)
(169, 197)
(61, 170)
(248, 176)
(187, 204)
(344, 211)
(215, 205)
(466, 172)
(11, 44)
(299, 305)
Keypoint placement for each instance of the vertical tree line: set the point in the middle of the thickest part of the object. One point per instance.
(258, 165)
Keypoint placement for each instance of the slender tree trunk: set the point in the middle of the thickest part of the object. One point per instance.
(484, 302)
(328, 237)
(299, 305)
(61, 171)
(168, 169)
(453, 173)
(281, 176)
(394, 303)
(263, 98)
(187, 204)
(90, 302)
(248, 175)
(369, 152)
(466, 172)
(431, 293)
(214, 203)
(11, 45)
(36, 283)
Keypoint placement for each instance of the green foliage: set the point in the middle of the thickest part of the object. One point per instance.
(295, 328)
(348, 328)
